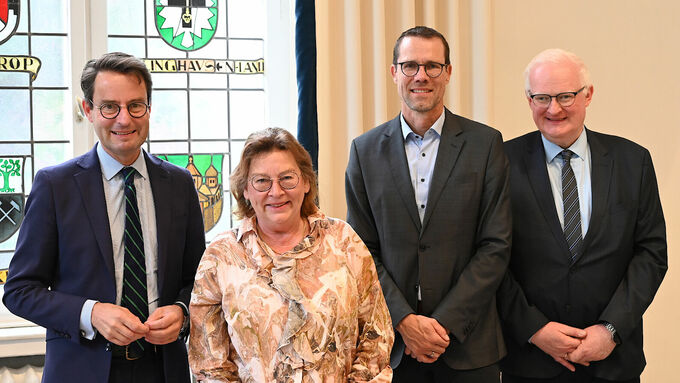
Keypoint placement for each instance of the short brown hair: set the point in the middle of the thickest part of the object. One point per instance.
(267, 141)
(114, 62)
(426, 33)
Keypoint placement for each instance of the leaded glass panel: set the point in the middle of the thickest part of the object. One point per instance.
(199, 111)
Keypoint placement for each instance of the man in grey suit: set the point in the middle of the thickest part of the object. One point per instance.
(428, 194)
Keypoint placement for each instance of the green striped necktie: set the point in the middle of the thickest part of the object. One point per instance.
(134, 275)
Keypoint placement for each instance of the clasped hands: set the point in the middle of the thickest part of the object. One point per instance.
(570, 345)
(118, 325)
(424, 337)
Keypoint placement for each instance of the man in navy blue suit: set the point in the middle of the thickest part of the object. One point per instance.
(68, 270)
(588, 239)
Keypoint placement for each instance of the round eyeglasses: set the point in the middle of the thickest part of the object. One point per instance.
(110, 110)
(565, 99)
(411, 68)
(287, 181)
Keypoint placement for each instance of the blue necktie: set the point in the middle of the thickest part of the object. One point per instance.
(572, 208)
(134, 275)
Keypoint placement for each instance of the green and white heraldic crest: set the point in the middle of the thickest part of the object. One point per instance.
(11, 195)
(186, 25)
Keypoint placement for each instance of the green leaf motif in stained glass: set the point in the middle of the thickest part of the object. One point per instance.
(9, 167)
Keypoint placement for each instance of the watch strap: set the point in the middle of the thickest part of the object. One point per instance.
(184, 331)
(612, 330)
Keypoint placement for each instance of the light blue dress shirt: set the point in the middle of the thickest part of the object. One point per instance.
(581, 164)
(115, 207)
(421, 154)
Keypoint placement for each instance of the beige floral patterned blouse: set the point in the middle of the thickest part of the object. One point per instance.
(313, 314)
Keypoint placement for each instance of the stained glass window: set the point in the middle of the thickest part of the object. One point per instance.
(36, 121)
(208, 94)
(207, 63)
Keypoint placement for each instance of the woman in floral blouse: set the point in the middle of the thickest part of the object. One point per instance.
(290, 295)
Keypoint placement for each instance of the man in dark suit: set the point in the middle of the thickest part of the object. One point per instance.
(428, 194)
(107, 274)
(589, 239)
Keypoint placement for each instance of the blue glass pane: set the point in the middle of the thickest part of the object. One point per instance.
(51, 154)
(159, 48)
(48, 16)
(209, 114)
(246, 49)
(240, 81)
(23, 19)
(125, 17)
(53, 52)
(217, 49)
(16, 45)
(221, 19)
(210, 147)
(28, 175)
(247, 18)
(5, 258)
(170, 147)
(9, 244)
(132, 45)
(246, 110)
(151, 17)
(19, 79)
(15, 110)
(51, 115)
(236, 149)
(169, 80)
(169, 116)
(12, 149)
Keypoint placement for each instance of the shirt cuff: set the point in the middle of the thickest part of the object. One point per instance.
(185, 309)
(87, 331)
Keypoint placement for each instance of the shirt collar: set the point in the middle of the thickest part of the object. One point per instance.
(110, 167)
(579, 147)
(436, 127)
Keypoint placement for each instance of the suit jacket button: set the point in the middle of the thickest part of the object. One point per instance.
(108, 347)
(423, 247)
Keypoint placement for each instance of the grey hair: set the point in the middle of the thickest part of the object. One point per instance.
(556, 55)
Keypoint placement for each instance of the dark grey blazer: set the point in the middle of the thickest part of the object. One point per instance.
(622, 264)
(459, 253)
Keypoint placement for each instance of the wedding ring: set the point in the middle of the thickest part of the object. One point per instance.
(431, 354)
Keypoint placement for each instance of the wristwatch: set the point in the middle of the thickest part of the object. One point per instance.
(612, 331)
(184, 330)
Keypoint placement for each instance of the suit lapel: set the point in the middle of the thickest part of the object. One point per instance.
(393, 149)
(89, 181)
(600, 179)
(450, 146)
(540, 184)
(161, 188)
